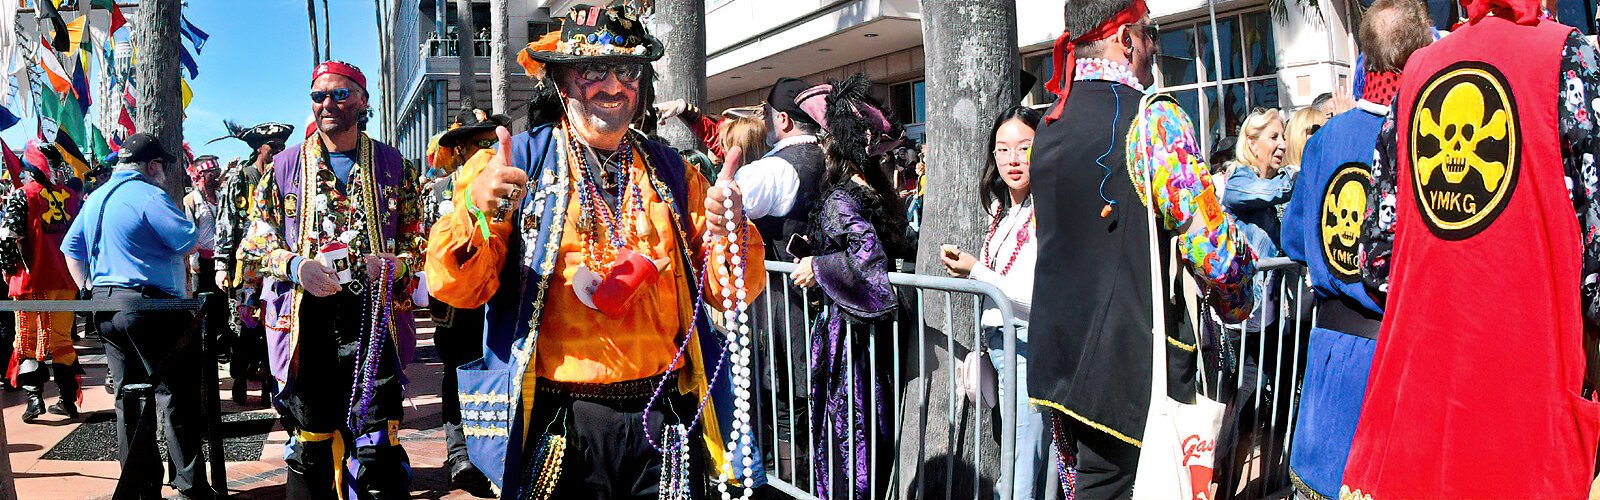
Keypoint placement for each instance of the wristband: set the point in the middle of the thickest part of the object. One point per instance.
(479, 219)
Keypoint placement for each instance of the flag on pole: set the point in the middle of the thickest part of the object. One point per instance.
(126, 121)
(127, 98)
(116, 13)
(7, 119)
(98, 146)
(77, 31)
(195, 36)
(45, 10)
(188, 62)
(64, 112)
(80, 82)
(59, 81)
(188, 95)
(71, 154)
(13, 166)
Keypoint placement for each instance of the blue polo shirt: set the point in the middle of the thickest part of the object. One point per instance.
(143, 238)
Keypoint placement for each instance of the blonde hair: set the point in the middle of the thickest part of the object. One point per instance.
(1248, 130)
(749, 133)
(1299, 132)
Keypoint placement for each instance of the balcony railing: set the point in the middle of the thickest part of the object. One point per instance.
(436, 45)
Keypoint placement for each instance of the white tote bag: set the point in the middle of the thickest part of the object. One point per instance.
(1176, 456)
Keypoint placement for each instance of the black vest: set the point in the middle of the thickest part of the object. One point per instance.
(776, 229)
(1090, 335)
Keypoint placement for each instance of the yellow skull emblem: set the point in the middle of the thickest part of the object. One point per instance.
(1460, 128)
(1344, 206)
(1464, 121)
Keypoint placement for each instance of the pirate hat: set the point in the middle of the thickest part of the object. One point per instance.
(592, 33)
(472, 123)
(258, 135)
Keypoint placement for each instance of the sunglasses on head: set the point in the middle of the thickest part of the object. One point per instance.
(626, 72)
(338, 95)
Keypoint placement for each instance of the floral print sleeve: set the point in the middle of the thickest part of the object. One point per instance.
(263, 243)
(1580, 143)
(411, 240)
(1579, 126)
(1163, 144)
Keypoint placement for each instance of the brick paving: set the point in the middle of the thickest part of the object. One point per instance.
(260, 478)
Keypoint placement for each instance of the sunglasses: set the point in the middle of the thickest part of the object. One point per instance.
(596, 72)
(338, 95)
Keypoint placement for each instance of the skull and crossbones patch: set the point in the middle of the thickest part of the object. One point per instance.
(1465, 157)
(1344, 206)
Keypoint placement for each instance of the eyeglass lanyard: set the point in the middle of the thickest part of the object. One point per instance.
(100, 218)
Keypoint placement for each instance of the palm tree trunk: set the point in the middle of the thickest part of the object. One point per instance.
(681, 24)
(464, 37)
(155, 38)
(327, 30)
(311, 16)
(499, 45)
(972, 47)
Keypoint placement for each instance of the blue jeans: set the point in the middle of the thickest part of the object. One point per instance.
(1032, 449)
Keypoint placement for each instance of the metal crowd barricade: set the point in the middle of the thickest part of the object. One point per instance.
(210, 405)
(1259, 366)
(795, 477)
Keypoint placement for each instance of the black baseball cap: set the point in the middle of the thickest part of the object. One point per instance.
(143, 147)
(782, 96)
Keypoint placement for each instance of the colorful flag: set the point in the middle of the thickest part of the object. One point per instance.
(80, 83)
(127, 97)
(64, 112)
(76, 33)
(188, 62)
(98, 145)
(116, 13)
(45, 10)
(188, 95)
(126, 121)
(195, 36)
(7, 119)
(59, 80)
(13, 166)
(71, 154)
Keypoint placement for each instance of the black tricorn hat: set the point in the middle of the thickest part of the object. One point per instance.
(590, 33)
(258, 135)
(472, 123)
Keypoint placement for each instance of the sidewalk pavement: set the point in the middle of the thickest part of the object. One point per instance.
(261, 477)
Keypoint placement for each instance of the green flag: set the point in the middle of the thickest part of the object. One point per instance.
(67, 114)
(97, 145)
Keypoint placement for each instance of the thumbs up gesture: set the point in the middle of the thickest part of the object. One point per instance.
(497, 190)
(725, 197)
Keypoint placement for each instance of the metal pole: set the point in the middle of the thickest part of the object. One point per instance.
(1216, 63)
(210, 398)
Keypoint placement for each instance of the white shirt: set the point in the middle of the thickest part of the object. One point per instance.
(770, 184)
(1016, 284)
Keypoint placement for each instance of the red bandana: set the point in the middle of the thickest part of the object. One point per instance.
(1065, 61)
(343, 69)
(1525, 12)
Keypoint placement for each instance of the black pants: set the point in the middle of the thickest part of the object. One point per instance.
(607, 454)
(318, 402)
(458, 334)
(1106, 465)
(139, 343)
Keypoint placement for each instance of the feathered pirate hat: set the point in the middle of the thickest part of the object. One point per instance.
(592, 33)
(255, 137)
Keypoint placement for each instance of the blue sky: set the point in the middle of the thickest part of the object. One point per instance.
(256, 67)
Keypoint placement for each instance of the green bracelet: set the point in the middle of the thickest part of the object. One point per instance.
(481, 220)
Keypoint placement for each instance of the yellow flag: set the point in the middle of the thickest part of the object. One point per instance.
(75, 30)
(188, 95)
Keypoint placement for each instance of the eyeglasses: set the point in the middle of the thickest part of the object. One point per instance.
(626, 72)
(486, 143)
(1148, 30)
(1020, 154)
(338, 95)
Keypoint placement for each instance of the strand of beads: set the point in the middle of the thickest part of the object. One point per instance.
(735, 304)
(365, 378)
(675, 464)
